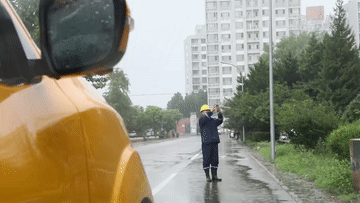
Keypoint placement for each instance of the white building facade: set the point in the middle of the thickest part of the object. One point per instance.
(236, 31)
(195, 61)
(352, 9)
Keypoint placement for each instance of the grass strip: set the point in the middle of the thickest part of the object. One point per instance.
(327, 172)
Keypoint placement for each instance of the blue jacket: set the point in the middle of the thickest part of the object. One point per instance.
(208, 128)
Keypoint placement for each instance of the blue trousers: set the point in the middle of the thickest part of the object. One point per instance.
(210, 156)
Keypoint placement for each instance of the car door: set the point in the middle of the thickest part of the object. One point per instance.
(42, 150)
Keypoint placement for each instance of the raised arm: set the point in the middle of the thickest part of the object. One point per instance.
(219, 120)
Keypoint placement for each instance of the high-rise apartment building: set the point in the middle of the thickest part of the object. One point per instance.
(352, 9)
(195, 61)
(236, 33)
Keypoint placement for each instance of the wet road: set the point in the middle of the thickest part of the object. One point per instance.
(174, 170)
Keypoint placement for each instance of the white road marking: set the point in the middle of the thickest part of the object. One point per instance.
(168, 179)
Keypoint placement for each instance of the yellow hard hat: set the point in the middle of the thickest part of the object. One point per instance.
(205, 107)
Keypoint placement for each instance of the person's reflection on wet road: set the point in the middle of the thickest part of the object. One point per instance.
(211, 193)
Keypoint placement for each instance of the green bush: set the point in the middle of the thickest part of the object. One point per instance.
(310, 121)
(352, 111)
(339, 140)
(260, 136)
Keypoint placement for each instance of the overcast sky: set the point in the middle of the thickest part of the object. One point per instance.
(154, 60)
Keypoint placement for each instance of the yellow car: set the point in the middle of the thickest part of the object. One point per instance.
(59, 140)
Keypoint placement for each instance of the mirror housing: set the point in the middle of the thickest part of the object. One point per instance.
(83, 37)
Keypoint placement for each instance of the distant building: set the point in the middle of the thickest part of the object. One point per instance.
(314, 25)
(195, 61)
(352, 9)
(315, 13)
(314, 20)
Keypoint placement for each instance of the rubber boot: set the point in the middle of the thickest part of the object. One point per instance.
(208, 179)
(214, 176)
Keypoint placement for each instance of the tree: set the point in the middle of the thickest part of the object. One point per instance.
(170, 119)
(339, 75)
(258, 79)
(140, 123)
(176, 102)
(155, 116)
(117, 94)
(28, 10)
(287, 70)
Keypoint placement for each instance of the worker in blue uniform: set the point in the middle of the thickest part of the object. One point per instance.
(210, 140)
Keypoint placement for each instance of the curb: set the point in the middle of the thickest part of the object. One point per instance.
(294, 197)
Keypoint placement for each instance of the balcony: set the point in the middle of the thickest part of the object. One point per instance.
(294, 15)
(213, 63)
(211, 8)
(213, 74)
(213, 41)
(211, 19)
(213, 52)
(213, 85)
(253, 39)
(225, 8)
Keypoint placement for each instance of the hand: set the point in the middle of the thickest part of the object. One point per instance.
(213, 108)
(219, 110)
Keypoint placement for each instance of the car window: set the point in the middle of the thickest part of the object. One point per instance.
(28, 11)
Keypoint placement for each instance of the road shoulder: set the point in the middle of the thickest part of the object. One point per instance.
(301, 190)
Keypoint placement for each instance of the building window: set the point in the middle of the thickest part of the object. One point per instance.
(225, 26)
(195, 72)
(211, 5)
(214, 70)
(226, 48)
(239, 25)
(238, 3)
(213, 48)
(203, 64)
(214, 81)
(239, 47)
(226, 58)
(240, 58)
(225, 16)
(239, 36)
(211, 16)
(227, 81)
(203, 56)
(213, 59)
(204, 80)
(227, 92)
(225, 37)
(212, 38)
(194, 41)
(238, 14)
(214, 91)
(203, 48)
(226, 70)
(203, 72)
(203, 41)
(212, 26)
(265, 24)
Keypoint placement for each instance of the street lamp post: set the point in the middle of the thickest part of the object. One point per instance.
(242, 89)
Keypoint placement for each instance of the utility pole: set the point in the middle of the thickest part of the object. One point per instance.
(272, 128)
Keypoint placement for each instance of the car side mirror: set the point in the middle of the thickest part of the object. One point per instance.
(82, 36)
